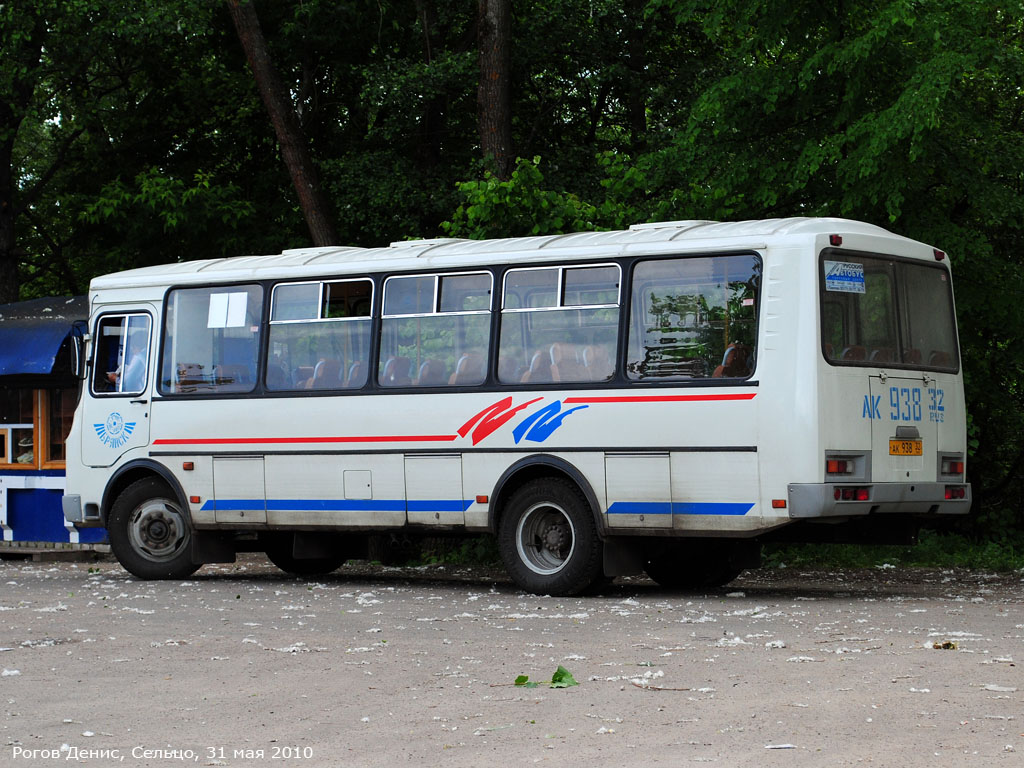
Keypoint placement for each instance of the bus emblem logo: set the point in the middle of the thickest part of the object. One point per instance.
(115, 431)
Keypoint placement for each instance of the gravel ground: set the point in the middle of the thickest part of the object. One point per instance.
(371, 666)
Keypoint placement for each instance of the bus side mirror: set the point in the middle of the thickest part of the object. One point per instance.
(78, 355)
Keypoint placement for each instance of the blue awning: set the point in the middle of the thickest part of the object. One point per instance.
(34, 337)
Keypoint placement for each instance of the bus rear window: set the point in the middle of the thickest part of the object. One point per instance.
(882, 312)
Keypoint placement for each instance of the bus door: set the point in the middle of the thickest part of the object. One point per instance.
(904, 433)
(118, 398)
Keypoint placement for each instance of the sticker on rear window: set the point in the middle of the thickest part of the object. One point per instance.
(844, 277)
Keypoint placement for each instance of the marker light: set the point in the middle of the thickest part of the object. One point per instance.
(952, 467)
(939, 255)
(835, 240)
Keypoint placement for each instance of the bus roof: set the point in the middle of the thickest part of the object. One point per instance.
(447, 253)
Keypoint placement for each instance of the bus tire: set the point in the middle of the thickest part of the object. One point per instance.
(279, 552)
(150, 533)
(548, 539)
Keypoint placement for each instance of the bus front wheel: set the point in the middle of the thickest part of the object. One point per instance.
(149, 532)
(548, 539)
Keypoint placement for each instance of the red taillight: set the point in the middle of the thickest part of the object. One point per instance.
(952, 467)
(955, 492)
(861, 494)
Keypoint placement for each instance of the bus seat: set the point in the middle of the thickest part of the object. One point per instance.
(396, 372)
(597, 362)
(912, 356)
(881, 355)
(540, 369)
(564, 366)
(829, 350)
(939, 358)
(356, 375)
(469, 370)
(277, 379)
(325, 375)
(735, 362)
(431, 374)
(855, 352)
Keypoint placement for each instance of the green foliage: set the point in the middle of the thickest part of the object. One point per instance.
(561, 679)
(519, 206)
(934, 550)
(176, 204)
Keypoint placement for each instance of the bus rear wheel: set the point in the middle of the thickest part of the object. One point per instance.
(149, 532)
(281, 552)
(548, 539)
(691, 565)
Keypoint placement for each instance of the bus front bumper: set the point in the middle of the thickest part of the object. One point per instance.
(809, 500)
(71, 506)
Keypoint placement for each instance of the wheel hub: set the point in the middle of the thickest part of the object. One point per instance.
(555, 538)
(157, 530)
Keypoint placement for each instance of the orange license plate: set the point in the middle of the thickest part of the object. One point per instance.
(906, 448)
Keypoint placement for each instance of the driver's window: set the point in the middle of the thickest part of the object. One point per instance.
(121, 363)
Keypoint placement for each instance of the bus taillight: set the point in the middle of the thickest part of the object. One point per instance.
(955, 492)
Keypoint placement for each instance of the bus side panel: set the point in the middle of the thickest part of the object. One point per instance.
(715, 491)
(343, 490)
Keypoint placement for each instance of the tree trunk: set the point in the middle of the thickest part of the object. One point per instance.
(432, 125)
(494, 101)
(636, 96)
(8, 258)
(290, 137)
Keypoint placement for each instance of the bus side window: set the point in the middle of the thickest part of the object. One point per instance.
(211, 340)
(429, 325)
(121, 358)
(565, 317)
(319, 335)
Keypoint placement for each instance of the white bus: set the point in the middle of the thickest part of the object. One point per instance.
(661, 399)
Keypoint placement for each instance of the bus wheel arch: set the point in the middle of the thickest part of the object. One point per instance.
(131, 473)
(149, 531)
(547, 530)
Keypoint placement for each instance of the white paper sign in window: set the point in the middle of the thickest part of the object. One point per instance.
(227, 310)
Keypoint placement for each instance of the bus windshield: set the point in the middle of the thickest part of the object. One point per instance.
(882, 311)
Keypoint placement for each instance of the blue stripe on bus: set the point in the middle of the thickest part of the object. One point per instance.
(679, 508)
(337, 505)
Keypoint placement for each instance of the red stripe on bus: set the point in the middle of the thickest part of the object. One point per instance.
(659, 398)
(292, 440)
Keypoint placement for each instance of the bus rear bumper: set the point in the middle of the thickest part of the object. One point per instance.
(809, 500)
